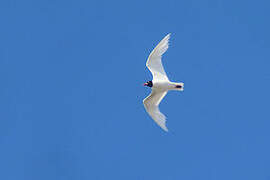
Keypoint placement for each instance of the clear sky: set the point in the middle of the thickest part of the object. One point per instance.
(71, 75)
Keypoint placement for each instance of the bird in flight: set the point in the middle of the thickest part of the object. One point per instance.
(160, 84)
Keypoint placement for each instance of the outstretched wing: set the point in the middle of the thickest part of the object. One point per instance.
(154, 63)
(151, 105)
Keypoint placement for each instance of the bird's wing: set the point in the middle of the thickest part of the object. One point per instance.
(154, 63)
(151, 105)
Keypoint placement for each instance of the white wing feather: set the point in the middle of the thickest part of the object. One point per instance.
(154, 63)
(151, 105)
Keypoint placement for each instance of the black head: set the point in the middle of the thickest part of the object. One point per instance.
(149, 84)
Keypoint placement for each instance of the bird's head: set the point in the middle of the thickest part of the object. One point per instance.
(148, 83)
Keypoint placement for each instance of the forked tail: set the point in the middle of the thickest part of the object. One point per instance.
(179, 86)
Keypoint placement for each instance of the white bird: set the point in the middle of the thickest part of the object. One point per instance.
(160, 84)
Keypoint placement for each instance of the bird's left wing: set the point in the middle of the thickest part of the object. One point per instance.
(154, 62)
(151, 105)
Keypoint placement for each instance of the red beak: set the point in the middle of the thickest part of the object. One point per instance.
(145, 84)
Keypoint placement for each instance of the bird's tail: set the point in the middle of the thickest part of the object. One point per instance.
(178, 86)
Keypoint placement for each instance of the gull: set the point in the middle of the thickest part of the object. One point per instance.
(160, 84)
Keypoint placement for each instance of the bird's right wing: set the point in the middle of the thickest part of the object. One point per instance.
(154, 62)
(151, 105)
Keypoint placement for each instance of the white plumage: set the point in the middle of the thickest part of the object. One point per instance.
(160, 84)
(154, 63)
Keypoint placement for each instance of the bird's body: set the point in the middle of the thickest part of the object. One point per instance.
(160, 84)
(167, 85)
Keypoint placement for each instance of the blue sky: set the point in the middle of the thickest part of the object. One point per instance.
(71, 90)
